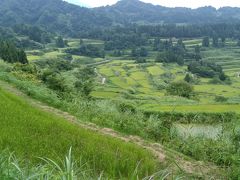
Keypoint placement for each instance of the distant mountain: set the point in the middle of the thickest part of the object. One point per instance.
(140, 12)
(61, 16)
(55, 15)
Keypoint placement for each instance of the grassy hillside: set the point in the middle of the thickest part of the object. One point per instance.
(32, 133)
(134, 101)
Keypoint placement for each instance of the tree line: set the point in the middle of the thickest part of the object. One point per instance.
(34, 33)
(122, 37)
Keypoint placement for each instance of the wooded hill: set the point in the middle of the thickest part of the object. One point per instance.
(58, 15)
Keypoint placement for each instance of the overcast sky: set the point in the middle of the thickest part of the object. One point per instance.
(169, 3)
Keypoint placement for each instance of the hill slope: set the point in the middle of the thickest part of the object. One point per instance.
(60, 16)
(31, 133)
(55, 15)
(34, 130)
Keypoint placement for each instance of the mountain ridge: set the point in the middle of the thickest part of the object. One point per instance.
(61, 16)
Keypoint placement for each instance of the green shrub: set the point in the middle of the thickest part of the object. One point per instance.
(126, 106)
(215, 80)
(221, 99)
(201, 117)
(182, 89)
(26, 68)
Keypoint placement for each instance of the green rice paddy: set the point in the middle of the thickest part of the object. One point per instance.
(143, 80)
(30, 133)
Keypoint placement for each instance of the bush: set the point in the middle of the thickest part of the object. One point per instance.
(221, 99)
(85, 81)
(27, 68)
(167, 77)
(207, 70)
(140, 60)
(188, 78)
(4, 67)
(54, 80)
(126, 106)
(160, 85)
(201, 117)
(215, 80)
(182, 89)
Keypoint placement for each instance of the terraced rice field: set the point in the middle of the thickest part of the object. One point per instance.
(228, 58)
(193, 108)
(138, 80)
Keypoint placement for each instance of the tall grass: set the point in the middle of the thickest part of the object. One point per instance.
(31, 133)
(66, 169)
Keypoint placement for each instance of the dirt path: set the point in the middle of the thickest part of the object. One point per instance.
(174, 160)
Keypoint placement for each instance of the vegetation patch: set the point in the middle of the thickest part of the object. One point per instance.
(199, 117)
(32, 133)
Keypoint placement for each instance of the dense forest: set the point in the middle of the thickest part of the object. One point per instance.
(60, 16)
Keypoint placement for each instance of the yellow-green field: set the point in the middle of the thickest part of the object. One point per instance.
(193, 108)
(144, 82)
(140, 81)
